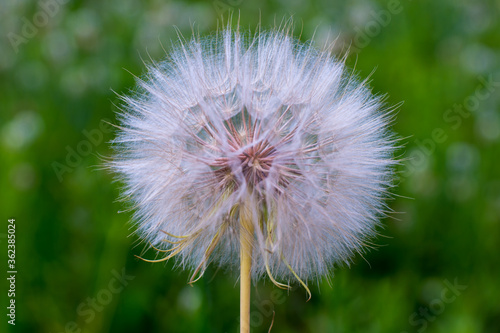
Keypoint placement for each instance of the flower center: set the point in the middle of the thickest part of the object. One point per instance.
(256, 162)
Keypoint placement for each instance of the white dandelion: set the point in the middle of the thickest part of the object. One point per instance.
(256, 152)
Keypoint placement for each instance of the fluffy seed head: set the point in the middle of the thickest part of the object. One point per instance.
(260, 124)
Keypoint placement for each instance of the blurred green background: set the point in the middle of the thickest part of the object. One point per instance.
(437, 269)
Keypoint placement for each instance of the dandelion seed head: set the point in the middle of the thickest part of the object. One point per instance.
(259, 122)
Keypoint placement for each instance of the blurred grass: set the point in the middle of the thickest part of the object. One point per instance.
(70, 238)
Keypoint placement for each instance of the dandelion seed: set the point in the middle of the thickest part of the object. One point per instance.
(255, 152)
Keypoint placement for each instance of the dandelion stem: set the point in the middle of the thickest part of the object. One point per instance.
(246, 245)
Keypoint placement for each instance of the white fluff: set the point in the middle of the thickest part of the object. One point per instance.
(314, 177)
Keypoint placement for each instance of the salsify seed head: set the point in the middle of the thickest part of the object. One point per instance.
(261, 127)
